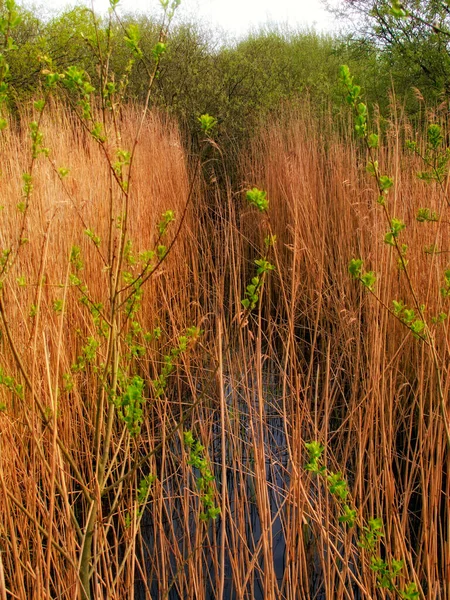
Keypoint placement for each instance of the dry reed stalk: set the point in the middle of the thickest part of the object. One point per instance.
(318, 359)
(380, 381)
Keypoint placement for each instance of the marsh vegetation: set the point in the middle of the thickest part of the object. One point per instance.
(198, 399)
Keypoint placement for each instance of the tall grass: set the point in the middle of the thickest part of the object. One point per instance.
(318, 358)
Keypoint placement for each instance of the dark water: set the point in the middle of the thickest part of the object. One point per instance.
(278, 477)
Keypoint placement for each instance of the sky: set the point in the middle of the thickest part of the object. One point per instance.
(236, 17)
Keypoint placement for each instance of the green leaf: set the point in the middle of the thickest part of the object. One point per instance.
(369, 279)
(396, 567)
(385, 183)
(373, 140)
(97, 132)
(435, 137)
(264, 266)
(315, 449)
(372, 167)
(355, 267)
(399, 306)
(158, 50)
(207, 123)
(410, 592)
(166, 218)
(63, 172)
(345, 75)
(417, 327)
(398, 10)
(362, 109)
(92, 236)
(337, 485)
(426, 214)
(348, 516)
(132, 39)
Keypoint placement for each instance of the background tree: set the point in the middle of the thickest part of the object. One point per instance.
(413, 40)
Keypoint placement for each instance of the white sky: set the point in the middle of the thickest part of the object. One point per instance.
(238, 16)
(234, 16)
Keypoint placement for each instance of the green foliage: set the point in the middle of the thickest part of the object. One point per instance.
(9, 21)
(440, 318)
(58, 306)
(198, 460)
(77, 81)
(385, 183)
(75, 258)
(385, 573)
(398, 10)
(133, 302)
(427, 215)
(133, 38)
(435, 156)
(27, 184)
(315, 450)
(264, 266)
(207, 123)
(410, 37)
(410, 592)
(370, 534)
(68, 382)
(169, 360)
(144, 487)
(412, 318)
(445, 289)
(129, 403)
(409, 317)
(355, 267)
(159, 49)
(353, 91)
(123, 159)
(87, 356)
(348, 516)
(166, 218)
(37, 138)
(270, 240)
(397, 226)
(11, 384)
(258, 198)
(373, 140)
(372, 168)
(4, 258)
(238, 83)
(253, 289)
(97, 129)
(337, 485)
(435, 136)
(92, 236)
(367, 278)
(63, 172)
(252, 294)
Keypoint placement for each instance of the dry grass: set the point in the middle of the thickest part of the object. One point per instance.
(318, 359)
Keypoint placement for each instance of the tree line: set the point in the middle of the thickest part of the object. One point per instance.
(242, 81)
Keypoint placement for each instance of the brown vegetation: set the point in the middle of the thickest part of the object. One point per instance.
(319, 358)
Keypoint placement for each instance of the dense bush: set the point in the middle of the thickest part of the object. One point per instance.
(239, 83)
